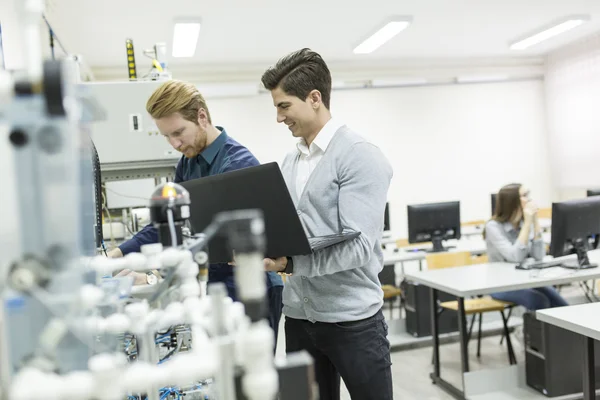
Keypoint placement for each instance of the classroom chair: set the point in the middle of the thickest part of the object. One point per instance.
(477, 306)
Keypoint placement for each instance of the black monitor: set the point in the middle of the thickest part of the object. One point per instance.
(493, 203)
(593, 192)
(386, 218)
(434, 222)
(575, 229)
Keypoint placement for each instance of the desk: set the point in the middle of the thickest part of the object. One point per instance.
(391, 257)
(477, 230)
(485, 279)
(582, 319)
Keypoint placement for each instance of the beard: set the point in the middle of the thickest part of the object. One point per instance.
(198, 146)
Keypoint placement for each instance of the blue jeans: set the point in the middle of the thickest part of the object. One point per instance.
(533, 299)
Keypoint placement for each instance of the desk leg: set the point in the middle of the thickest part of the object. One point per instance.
(435, 332)
(589, 370)
(462, 328)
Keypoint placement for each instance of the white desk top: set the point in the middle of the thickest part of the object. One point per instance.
(402, 255)
(582, 319)
(473, 280)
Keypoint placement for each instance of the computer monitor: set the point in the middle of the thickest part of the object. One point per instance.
(575, 229)
(593, 192)
(386, 218)
(434, 222)
(494, 203)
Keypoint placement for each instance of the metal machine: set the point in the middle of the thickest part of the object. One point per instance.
(69, 330)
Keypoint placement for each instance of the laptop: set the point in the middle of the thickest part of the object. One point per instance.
(261, 187)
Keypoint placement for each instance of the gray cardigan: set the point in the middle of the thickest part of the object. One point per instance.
(502, 244)
(347, 191)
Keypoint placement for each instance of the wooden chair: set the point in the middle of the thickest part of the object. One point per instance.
(545, 213)
(477, 306)
(402, 243)
(476, 223)
(390, 293)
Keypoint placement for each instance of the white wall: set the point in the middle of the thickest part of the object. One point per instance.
(11, 36)
(573, 103)
(454, 142)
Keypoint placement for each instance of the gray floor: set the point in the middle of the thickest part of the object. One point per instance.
(411, 368)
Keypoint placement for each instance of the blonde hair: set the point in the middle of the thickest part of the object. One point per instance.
(177, 97)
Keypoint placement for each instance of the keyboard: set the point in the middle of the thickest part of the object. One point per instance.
(540, 264)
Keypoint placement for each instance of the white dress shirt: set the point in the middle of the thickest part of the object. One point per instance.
(311, 155)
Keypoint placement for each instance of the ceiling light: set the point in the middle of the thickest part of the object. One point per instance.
(398, 82)
(548, 32)
(481, 78)
(185, 38)
(383, 35)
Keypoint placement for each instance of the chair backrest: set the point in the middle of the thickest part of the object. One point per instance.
(482, 259)
(545, 213)
(448, 260)
(479, 222)
(401, 243)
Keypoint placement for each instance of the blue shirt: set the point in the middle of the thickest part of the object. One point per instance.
(222, 155)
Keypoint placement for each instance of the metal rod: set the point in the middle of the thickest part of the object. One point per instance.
(511, 354)
(462, 328)
(435, 332)
(589, 370)
(449, 388)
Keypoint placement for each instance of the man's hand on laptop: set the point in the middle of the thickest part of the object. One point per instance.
(275, 264)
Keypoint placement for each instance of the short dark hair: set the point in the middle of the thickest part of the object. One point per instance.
(298, 74)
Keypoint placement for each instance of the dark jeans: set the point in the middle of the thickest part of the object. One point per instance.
(533, 299)
(358, 351)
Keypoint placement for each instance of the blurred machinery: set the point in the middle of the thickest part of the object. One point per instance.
(69, 330)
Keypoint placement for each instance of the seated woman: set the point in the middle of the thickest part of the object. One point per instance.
(512, 235)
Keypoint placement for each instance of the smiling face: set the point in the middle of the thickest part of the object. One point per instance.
(301, 116)
(184, 136)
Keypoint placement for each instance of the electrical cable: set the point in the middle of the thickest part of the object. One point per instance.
(98, 196)
(54, 35)
(125, 195)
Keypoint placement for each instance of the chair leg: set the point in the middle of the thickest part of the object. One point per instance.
(511, 354)
(507, 318)
(479, 336)
(471, 327)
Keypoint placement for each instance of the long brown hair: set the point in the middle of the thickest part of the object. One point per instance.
(508, 203)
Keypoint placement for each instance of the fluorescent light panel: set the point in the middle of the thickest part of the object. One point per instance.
(185, 38)
(481, 78)
(555, 30)
(383, 35)
(399, 82)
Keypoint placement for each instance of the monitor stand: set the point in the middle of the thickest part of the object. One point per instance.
(583, 262)
(437, 245)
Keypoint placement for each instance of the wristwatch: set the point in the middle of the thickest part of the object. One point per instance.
(151, 279)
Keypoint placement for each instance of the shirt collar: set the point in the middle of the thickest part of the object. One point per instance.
(509, 227)
(323, 138)
(212, 150)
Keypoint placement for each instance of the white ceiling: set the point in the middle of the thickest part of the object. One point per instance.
(258, 32)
